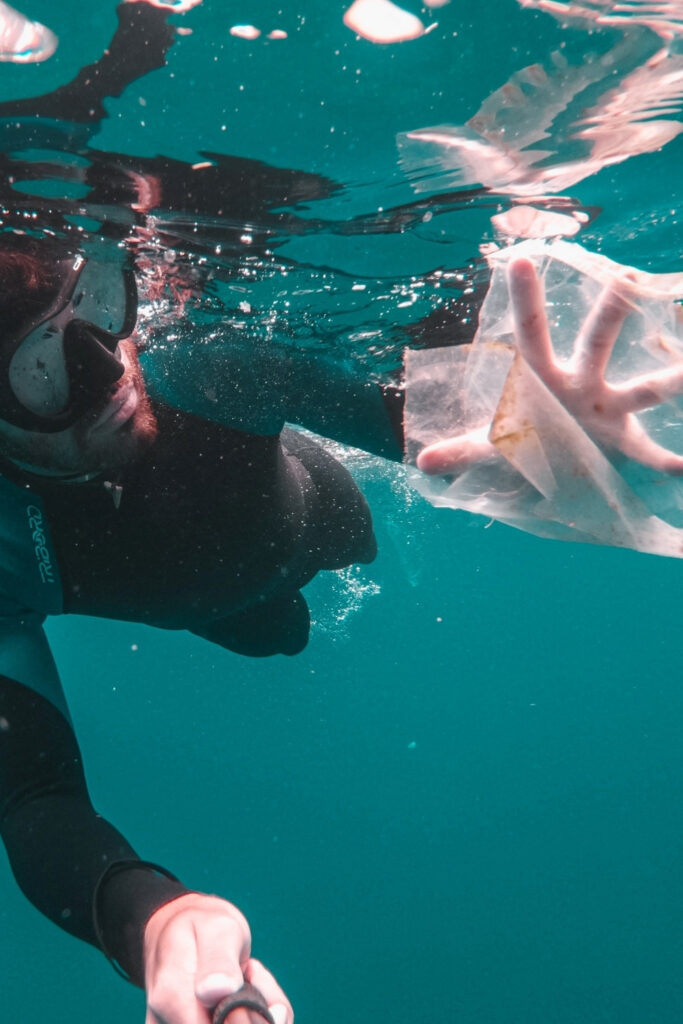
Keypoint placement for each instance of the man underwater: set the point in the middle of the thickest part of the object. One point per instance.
(117, 505)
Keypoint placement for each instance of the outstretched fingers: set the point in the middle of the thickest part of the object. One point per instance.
(640, 447)
(599, 333)
(532, 334)
(648, 391)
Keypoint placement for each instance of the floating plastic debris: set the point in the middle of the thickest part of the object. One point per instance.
(23, 41)
(529, 222)
(245, 31)
(539, 457)
(380, 21)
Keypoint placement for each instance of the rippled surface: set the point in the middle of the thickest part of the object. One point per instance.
(360, 194)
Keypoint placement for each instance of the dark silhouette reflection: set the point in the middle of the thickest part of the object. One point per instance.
(216, 215)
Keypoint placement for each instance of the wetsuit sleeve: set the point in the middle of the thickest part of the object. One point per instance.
(57, 844)
(339, 402)
(257, 391)
(139, 46)
(257, 387)
(25, 656)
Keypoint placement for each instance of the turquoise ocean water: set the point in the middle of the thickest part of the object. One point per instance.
(462, 802)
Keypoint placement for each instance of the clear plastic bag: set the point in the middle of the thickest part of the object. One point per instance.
(549, 477)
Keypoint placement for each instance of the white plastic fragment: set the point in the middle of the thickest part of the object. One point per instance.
(548, 477)
(245, 31)
(529, 222)
(177, 6)
(381, 21)
(23, 41)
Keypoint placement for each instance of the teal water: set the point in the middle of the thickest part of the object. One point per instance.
(462, 801)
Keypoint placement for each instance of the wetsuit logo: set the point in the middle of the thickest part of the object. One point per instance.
(35, 522)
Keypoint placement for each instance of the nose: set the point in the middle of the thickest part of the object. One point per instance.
(91, 361)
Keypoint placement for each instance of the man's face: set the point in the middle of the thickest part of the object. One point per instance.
(73, 394)
(105, 438)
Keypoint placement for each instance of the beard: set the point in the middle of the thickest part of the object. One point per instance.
(113, 449)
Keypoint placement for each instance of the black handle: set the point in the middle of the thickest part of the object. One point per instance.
(246, 1006)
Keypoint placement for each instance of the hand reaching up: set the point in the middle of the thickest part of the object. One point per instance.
(606, 412)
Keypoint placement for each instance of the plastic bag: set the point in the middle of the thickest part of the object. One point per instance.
(548, 477)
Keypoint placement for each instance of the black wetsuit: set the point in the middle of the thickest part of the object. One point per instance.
(216, 530)
(212, 530)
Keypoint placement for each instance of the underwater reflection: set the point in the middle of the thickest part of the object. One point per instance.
(551, 126)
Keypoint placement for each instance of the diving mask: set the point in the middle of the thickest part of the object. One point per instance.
(63, 362)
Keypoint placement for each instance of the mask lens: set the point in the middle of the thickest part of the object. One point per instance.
(38, 374)
(100, 297)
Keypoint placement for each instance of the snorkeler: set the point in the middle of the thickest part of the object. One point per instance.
(118, 506)
(107, 509)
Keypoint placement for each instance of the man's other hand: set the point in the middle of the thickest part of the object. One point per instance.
(197, 951)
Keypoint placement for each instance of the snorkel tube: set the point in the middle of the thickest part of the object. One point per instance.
(246, 1006)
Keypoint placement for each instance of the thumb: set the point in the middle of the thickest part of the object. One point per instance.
(214, 987)
(456, 454)
(220, 947)
(222, 943)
